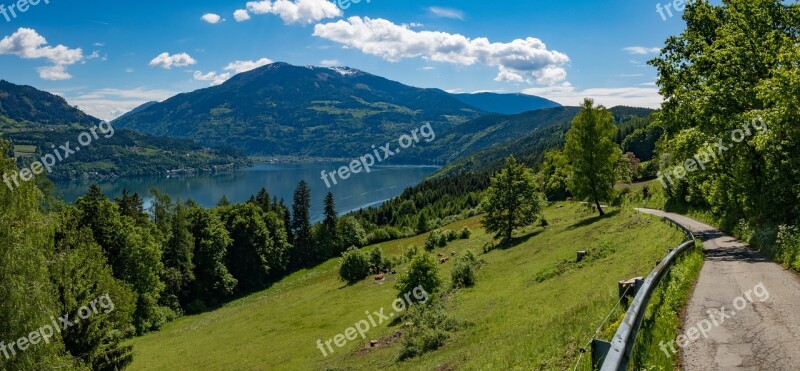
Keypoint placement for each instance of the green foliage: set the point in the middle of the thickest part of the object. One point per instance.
(377, 262)
(592, 154)
(464, 271)
(662, 319)
(351, 233)
(555, 175)
(465, 233)
(512, 200)
(730, 72)
(213, 282)
(355, 265)
(430, 327)
(26, 295)
(422, 271)
(249, 255)
(81, 275)
(303, 253)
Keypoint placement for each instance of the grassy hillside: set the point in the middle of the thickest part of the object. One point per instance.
(533, 307)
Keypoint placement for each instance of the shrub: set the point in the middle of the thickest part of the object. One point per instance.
(464, 271)
(355, 266)
(377, 262)
(451, 235)
(428, 329)
(432, 241)
(351, 233)
(422, 271)
(465, 233)
(411, 252)
(463, 275)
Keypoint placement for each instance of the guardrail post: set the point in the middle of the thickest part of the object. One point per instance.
(581, 255)
(599, 352)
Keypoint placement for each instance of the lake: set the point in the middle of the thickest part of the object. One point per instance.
(359, 191)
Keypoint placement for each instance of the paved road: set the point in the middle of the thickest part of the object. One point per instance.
(763, 335)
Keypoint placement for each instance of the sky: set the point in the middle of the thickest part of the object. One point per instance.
(107, 57)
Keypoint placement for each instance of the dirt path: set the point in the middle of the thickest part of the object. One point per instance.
(752, 334)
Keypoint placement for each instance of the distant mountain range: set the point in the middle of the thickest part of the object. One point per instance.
(507, 104)
(285, 110)
(34, 120)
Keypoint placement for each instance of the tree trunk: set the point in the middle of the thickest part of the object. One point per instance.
(597, 202)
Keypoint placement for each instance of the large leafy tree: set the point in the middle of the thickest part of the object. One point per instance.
(555, 175)
(733, 64)
(592, 153)
(26, 294)
(512, 200)
(81, 275)
(248, 256)
(213, 281)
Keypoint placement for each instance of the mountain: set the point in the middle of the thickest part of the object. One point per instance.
(483, 132)
(138, 109)
(281, 109)
(29, 106)
(36, 122)
(507, 104)
(549, 127)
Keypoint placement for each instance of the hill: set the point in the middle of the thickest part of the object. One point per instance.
(35, 121)
(506, 104)
(139, 108)
(546, 129)
(527, 290)
(281, 109)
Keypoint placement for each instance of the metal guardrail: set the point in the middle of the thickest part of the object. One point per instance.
(614, 356)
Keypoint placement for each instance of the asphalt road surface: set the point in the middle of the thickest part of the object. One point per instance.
(759, 326)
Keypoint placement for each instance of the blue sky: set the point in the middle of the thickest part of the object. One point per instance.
(107, 57)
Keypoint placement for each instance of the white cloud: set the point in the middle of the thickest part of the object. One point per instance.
(212, 18)
(631, 75)
(235, 67)
(567, 95)
(99, 44)
(241, 15)
(519, 60)
(244, 66)
(26, 43)
(329, 62)
(167, 61)
(57, 72)
(296, 11)
(427, 68)
(130, 70)
(215, 78)
(641, 50)
(108, 104)
(446, 12)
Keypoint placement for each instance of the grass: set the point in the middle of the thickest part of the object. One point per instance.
(520, 316)
(662, 320)
(22, 150)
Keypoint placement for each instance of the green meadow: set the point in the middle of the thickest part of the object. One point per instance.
(532, 308)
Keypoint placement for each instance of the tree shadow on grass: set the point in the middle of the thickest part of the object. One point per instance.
(592, 220)
(516, 241)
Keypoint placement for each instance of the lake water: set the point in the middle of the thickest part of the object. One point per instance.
(359, 191)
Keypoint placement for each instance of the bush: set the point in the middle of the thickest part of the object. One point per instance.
(351, 233)
(463, 275)
(428, 330)
(432, 241)
(355, 266)
(423, 271)
(377, 262)
(451, 235)
(464, 271)
(465, 234)
(411, 252)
